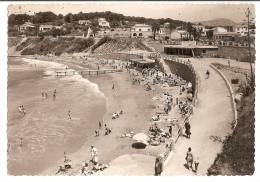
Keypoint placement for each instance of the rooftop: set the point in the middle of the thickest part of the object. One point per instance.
(143, 61)
(192, 46)
(141, 25)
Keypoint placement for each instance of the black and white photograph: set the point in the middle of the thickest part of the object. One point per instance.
(130, 89)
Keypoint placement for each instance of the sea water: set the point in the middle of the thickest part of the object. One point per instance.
(38, 139)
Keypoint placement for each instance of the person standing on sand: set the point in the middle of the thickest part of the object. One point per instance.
(93, 153)
(42, 95)
(99, 125)
(54, 94)
(21, 141)
(96, 133)
(189, 158)
(113, 87)
(69, 115)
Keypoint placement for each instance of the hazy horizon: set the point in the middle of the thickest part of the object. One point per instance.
(185, 12)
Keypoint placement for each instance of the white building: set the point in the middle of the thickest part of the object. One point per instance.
(141, 30)
(27, 26)
(45, 28)
(241, 29)
(103, 23)
(219, 30)
(84, 22)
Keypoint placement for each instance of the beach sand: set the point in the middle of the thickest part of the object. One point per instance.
(138, 108)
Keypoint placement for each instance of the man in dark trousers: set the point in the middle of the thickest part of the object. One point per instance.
(158, 168)
(207, 73)
(187, 129)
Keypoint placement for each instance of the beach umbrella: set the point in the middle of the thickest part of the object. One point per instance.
(141, 138)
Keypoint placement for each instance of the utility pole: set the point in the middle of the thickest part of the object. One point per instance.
(248, 13)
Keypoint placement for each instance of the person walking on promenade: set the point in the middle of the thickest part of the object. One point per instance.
(207, 74)
(189, 158)
(187, 129)
(229, 61)
(158, 167)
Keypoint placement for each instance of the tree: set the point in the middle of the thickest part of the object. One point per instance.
(209, 34)
(44, 17)
(68, 18)
(189, 29)
(155, 28)
(18, 19)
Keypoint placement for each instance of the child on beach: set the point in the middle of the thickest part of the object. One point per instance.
(196, 164)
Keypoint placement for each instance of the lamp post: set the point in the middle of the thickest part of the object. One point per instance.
(248, 13)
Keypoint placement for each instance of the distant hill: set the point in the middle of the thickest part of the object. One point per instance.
(218, 22)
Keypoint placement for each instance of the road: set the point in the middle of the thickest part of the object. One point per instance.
(211, 120)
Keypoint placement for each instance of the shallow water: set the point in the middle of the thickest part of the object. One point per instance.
(45, 130)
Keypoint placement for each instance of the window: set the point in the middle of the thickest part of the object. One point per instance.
(140, 29)
(148, 29)
(203, 51)
(140, 34)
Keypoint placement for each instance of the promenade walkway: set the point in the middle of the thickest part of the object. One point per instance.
(210, 123)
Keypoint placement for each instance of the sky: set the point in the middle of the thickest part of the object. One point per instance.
(186, 12)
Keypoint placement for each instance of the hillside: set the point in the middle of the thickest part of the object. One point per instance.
(109, 45)
(218, 22)
(57, 46)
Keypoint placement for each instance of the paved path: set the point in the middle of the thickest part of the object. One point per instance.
(212, 117)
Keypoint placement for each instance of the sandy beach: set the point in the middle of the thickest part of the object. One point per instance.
(136, 104)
